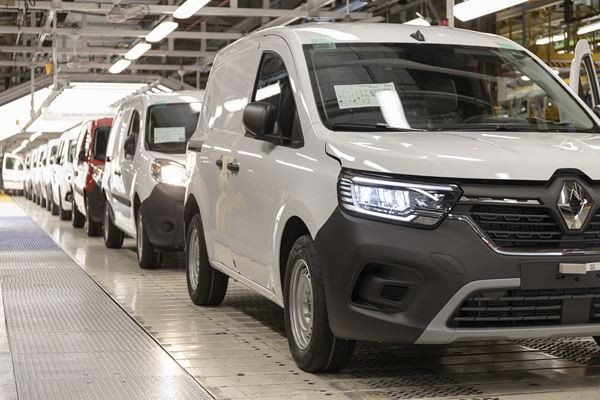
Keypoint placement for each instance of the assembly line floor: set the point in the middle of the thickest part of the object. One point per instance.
(237, 350)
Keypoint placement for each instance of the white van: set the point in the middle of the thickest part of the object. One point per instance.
(395, 183)
(39, 164)
(143, 178)
(13, 174)
(47, 173)
(62, 193)
(27, 175)
(32, 164)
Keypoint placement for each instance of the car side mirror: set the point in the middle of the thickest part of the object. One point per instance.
(259, 120)
(129, 145)
(81, 155)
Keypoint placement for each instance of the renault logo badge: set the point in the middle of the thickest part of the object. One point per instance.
(574, 204)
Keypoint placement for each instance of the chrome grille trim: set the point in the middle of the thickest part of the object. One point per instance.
(492, 200)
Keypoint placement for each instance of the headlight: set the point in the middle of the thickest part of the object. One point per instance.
(168, 172)
(403, 202)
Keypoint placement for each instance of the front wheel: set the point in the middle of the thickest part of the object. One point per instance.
(312, 344)
(147, 255)
(63, 214)
(78, 218)
(92, 228)
(113, 236)
(206, 285)
(54, 209)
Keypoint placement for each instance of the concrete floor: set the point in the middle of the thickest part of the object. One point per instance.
(239, 350)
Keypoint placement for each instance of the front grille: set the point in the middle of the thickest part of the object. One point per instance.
(531, 227)
(520, 308)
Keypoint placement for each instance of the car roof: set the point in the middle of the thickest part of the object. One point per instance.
(182, 96)
(324, 33)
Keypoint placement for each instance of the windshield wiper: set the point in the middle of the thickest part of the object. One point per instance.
(357, 127)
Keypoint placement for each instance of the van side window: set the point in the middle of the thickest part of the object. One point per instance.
(273, 86)
(134, 127)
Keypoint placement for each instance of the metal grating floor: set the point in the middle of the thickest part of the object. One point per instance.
(68, 339)
(238, 350)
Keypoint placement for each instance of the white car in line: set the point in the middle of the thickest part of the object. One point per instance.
(62, 194)
(396, 183)
(143, 178)
(13, 174)
(38, 166)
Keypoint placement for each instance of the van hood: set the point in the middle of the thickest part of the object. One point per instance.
(468, 155)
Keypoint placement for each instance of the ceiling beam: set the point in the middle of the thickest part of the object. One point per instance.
(116, 32)
(107, 51)
(96, 65)
(104, 8)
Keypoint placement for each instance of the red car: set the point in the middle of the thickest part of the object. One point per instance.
(88, 202)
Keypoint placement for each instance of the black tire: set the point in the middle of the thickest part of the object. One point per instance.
(92, 228)
(206, 285)
(147, 255)
(318, 350)
(49, 203)
(113, 236)
(54, 209)
(77, 218)
(42, 202)
(63, 214)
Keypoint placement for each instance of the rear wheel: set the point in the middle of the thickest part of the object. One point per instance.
(206, 285)
(92, 228)
(113, 236)
(54, 209)
(42, 202)
(312, 344)
(63, 214)
(147, 255)
(49, 203)
(78, 219)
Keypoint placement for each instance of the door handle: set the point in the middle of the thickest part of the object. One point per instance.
(219, 163)
(233, 167)
(118, 173)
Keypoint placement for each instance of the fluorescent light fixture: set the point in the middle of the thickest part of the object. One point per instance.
(547, 39)
(137, 51)
(164, 88)
(525, 78)
(471, 9)
(189, 8)
(161, 31)
(594, 26)
(119, 66)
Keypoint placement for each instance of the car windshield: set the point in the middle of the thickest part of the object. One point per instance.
(405, 86)
(170, 126)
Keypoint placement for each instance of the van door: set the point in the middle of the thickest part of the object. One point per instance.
(582, 78)
(118, 196)
(221, 125)
(259, 182)
(127, 173)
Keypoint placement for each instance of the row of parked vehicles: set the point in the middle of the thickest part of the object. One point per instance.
(379, 182)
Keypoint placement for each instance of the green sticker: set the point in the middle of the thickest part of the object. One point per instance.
(322, 43)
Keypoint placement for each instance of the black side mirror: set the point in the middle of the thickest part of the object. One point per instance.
(129, 145)
(259, 119)
(81, 155)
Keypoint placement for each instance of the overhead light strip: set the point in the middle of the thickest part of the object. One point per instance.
(471, 9)
(189, 8)
(163, 30)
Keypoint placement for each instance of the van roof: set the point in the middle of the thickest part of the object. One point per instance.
(323, 33)
(182, 96)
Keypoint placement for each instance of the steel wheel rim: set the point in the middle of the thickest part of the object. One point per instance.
(194, 259)
(139, 236)
(301, 304)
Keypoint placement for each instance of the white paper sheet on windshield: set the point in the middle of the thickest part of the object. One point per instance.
(169, 135)
(364, 95)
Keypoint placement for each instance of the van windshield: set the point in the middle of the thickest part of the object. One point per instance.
(403, 86)
(170, 126)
